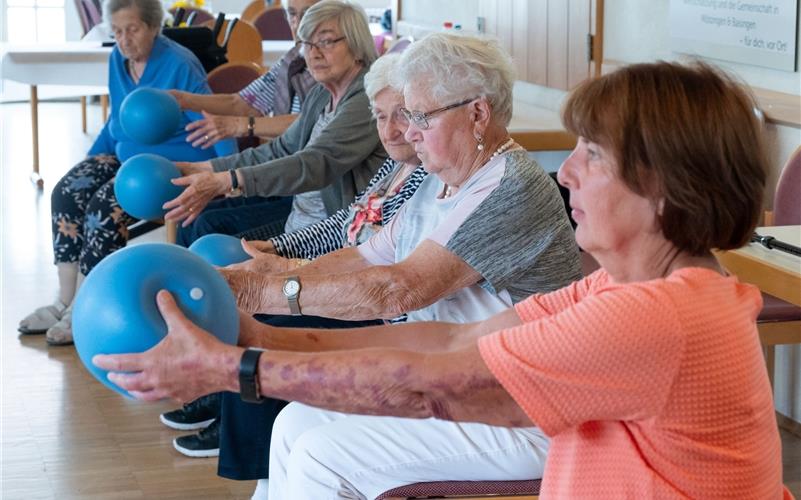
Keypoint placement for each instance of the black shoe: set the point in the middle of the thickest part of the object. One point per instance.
(195, 415)
(205, 443)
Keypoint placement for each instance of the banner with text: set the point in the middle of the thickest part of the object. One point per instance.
(762, 33)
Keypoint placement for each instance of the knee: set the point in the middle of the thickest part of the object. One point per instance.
(287, 427)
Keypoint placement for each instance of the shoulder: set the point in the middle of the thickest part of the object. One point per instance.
(177, 54)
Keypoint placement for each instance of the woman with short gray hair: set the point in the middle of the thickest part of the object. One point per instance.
(350, 21)
(323, 159)
(88, 223)
(151, 12)
(451, 71)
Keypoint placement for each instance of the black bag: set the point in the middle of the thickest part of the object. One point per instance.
(201, 40)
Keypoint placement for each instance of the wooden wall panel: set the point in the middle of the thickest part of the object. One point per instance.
(557, 44)
(537, 42)
(578, 64)
(520, 38)
(546, 38)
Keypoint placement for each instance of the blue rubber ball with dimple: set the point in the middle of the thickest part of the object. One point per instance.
(143, 185)
(150, 116)
(115, 309)
(220, 249)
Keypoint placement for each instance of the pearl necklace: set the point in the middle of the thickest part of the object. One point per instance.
(501, 150)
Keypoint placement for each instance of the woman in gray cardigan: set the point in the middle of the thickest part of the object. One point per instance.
(327, 156)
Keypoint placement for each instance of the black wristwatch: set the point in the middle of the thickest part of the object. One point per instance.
(251, 126)
(249, 375)
(235, 191)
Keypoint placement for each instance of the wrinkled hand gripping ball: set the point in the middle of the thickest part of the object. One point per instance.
(115, 310)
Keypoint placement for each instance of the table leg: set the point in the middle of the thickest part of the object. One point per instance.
(83, 113)
(35, 177)
(104, 106)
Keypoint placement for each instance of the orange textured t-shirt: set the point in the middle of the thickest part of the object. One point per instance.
(648, 390)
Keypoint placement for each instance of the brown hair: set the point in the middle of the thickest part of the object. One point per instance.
(687, 136)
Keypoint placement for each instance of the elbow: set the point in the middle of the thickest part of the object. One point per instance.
(394, 294)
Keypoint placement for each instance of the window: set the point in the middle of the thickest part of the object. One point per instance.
(35, 21)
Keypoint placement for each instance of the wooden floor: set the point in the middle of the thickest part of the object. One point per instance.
(62, 434)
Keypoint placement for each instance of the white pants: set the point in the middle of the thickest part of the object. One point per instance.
(318, 454)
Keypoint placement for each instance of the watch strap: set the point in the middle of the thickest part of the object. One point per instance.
(249, 375)
(292, 300)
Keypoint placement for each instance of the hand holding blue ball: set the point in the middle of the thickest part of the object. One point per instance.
(115, 311)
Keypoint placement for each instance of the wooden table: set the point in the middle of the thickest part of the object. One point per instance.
(83, 64)
(775, 272)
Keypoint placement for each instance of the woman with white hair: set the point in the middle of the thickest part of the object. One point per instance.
(484, 230)
(324, 158)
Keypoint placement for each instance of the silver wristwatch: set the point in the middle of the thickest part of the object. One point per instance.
(292, 292)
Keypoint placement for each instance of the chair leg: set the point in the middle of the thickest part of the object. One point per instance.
(172, 231)
(770, 362)
(83, 113)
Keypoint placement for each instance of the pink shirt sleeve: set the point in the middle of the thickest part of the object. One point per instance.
(613, 355)
(541, 305)
(379, 250)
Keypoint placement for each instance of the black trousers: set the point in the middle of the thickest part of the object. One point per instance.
(246, 428)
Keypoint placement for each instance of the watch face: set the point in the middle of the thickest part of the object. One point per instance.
(291, 287)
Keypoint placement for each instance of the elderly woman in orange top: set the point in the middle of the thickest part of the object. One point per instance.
(647, 374)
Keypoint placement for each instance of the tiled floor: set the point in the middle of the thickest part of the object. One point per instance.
(63, 435)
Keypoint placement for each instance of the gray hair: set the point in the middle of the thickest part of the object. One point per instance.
(457, 67)
(352, 22)
(380, 76)
(150, 11)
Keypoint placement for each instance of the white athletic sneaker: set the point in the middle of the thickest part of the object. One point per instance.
(42, 319)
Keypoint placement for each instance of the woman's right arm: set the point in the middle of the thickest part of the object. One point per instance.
(216, 104)
(313, 241)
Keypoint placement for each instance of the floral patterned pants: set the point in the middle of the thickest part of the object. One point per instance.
(88, 223)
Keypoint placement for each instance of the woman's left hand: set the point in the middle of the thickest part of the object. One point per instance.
(185, 365)
(202, 186)
(212, 128)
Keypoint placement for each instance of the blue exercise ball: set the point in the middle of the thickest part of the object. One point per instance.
(143, 185)
(150, 116)
(219, 249)
(115, 309)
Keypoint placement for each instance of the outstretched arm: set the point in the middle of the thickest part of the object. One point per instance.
(454, 384)
(349, 290)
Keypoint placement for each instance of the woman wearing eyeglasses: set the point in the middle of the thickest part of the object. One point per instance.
(324, 158)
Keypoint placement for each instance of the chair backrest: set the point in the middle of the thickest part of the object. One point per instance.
(787, 201)
(82, 16)
(232, 77)
(440, 489)
(252, 10)
(273, 25)
(89, 10)
(244, 44)
(400, 45)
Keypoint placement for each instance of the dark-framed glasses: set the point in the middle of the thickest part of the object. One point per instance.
(323, 45)
(420, 118)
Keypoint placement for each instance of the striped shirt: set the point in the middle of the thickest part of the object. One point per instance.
(329, 235)
(260, 94)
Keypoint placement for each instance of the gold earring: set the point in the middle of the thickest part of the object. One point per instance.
(480, 145)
